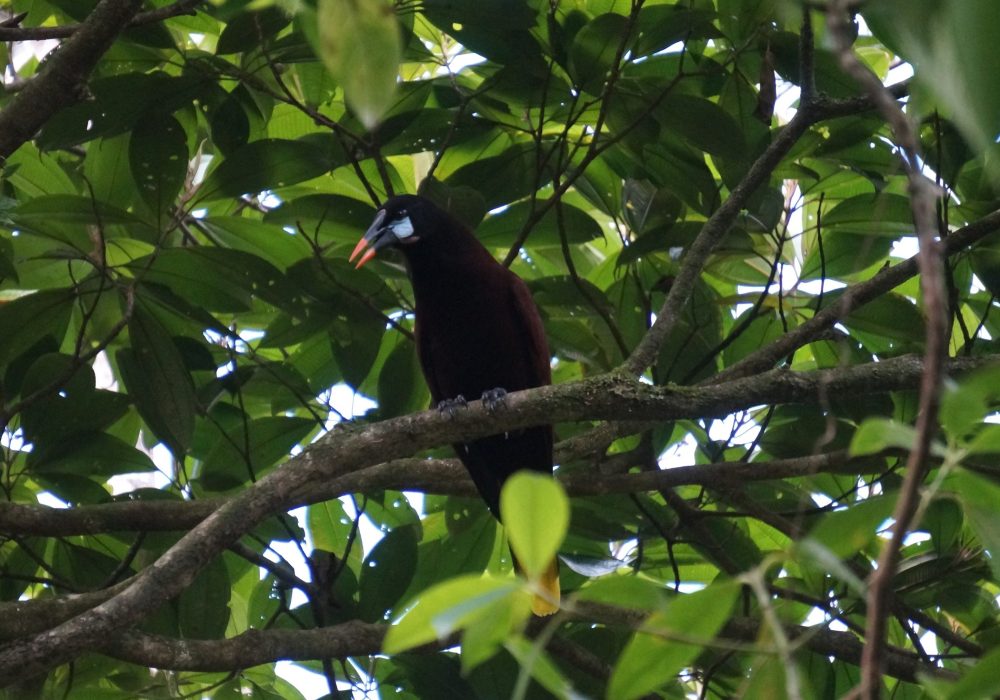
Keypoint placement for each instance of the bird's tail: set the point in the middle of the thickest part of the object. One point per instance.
(547, 603)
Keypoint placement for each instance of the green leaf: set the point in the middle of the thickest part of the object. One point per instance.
(535, 513)
(880, 214)
(274, 244)
(979, 498)
(501, 229)
(669, 640)
(69, 218)
(981, 682)
(361, 47)
(93, 455)
(387, 572)
(265, 165)
(203, 607)
(218, 279)
(72, 406)
(447, 608)
(704, 124)
(250, 449)
(532, 658)
(248, 30)
(401, 388)
(848, 531)
(159, 383)
(844, 254)
(35, 316)
(877, 434)
(594, 49)
(158, 157)
(329, 526)
(951, 46)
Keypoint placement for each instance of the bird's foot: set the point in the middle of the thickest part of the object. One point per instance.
(494, 399)
(450, 406)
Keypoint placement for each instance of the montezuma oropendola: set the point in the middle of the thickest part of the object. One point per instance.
(478, 334)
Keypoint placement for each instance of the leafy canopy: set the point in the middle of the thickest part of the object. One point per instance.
(175, 302)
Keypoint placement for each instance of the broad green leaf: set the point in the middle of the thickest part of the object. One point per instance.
(594, 49)
(158, 156)
(329, 526)
(985, 259)
(159, 383)
(203, 607)
(985, 441)
(873, 215)
(640, 592)
(877, 434)
(848, 531)
(979, 497)
(535, 513)
(502, 228)
(71, 219)
(484, 639)
(71, 405)
(278, 246)
(218, 279)
(264, 165)
(387, 572)
(360, 45)
(844, 254)
(670, 639)
(950, 45)
(533, 660)
(704, 124)
(246, 31)
(982, 682)
(446, 608)
(90, 455)
(35, 316)
(246, 452)
(401, 388)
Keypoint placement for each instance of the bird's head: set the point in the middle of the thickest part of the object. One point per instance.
(402, 221)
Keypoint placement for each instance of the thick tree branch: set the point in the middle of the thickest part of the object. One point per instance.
(348, 450)
(438, 476)
(15, 33)
(62, 78)
(364, 639)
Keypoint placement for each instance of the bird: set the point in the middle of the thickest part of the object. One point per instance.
(478, 334)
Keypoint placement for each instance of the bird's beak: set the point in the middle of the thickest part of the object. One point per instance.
(376, 237)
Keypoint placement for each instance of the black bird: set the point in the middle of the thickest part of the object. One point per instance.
(478, 334)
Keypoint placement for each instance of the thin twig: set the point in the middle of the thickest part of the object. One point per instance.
(923, 201)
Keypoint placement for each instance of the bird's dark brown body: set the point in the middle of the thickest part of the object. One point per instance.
(477, 329)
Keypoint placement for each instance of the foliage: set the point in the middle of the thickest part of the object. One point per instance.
(175, 302)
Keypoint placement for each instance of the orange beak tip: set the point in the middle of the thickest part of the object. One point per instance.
(362, 244)
(369, 254)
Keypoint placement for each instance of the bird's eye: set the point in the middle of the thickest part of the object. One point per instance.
(402, 214)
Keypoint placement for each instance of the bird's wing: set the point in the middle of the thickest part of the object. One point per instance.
(535, 347)
(424, 354)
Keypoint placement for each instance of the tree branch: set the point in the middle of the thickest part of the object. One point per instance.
(437, 476)
(15, 33)
(924, 196)
(61, 80)
(644, 355)
(853, 297)
(355, 638)
(355, 447)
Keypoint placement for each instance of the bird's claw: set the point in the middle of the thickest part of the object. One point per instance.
(494, 399)
(450, 406)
